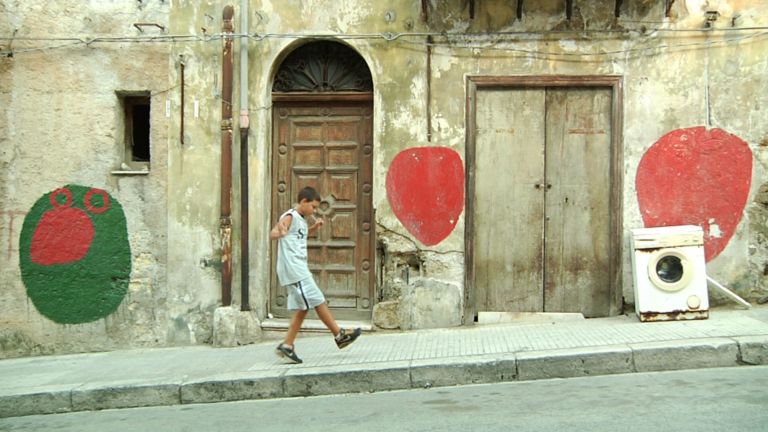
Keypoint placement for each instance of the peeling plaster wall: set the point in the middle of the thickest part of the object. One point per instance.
(63, 130)
(61, 123)
(675, 79)
(737, 103)
(194, 173)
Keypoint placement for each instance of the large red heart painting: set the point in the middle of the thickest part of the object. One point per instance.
(425, 187)
(696, 176)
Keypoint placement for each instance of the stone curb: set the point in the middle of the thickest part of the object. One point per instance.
(685, 354)
(570, 363)
(753, 350)
(89, 398)
(398, 375)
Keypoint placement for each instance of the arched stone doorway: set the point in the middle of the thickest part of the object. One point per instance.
(322, 137)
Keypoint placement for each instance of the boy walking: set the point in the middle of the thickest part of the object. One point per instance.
(292, 231)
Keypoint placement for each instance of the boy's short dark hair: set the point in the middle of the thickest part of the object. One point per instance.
(309, 193)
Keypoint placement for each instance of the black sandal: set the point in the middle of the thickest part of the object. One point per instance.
(345, 338)
(284, 350)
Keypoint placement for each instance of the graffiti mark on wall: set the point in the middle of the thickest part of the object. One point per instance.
(425, 187)
(11, 216)
(74, 254)
(696, 176)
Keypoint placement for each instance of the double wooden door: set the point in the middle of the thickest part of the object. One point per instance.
(542, 234)
(328, 145)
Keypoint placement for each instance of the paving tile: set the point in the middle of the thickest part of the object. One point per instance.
(379, 361)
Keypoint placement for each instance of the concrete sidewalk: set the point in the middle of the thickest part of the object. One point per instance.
(381, 361)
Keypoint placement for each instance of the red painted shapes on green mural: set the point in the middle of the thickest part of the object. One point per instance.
(696, 176)
(74, 254)
(425, 188)
(64, 234)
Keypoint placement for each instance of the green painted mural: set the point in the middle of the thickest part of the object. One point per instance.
(74, 254)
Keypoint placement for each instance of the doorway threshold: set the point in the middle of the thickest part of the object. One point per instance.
(278, 326)
(527, 317)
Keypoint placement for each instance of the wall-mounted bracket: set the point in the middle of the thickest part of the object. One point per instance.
(139, 26)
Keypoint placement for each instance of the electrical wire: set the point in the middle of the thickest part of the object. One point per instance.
(474, 41)
(579, 54)
(384, 35)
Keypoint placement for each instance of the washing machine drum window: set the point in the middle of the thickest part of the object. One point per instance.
(669, 269)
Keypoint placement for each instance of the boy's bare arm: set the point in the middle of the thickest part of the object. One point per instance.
(281, 228)
(317, 224)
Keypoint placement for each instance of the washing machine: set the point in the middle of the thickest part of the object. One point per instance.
(670, 279)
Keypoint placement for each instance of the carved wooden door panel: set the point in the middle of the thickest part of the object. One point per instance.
(328, 145)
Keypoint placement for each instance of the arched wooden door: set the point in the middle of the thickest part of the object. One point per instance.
(322, 137)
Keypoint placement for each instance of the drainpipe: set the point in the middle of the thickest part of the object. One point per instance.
(225, 222)
(429, 88)
(244, 125)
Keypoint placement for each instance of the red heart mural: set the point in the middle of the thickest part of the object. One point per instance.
(425, 187)
(696, 176)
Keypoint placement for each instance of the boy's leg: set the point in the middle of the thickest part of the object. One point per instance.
(327, 318)
(342, 337)
(295, 295)
(295, 326)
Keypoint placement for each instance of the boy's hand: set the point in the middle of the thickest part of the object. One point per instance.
(318, 223)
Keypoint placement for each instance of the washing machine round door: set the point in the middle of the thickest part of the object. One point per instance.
(669, 269)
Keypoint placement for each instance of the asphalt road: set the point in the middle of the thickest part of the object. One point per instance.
(726, 399)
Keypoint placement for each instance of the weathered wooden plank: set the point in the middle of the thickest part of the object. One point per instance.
(508, 206)
(577, 230)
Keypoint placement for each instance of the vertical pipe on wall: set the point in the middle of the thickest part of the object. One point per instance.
(181, 110)
(244, 125)
(225, 221)
(429, 88)
(668, 8)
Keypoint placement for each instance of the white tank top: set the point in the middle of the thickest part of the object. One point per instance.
(292, 263)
